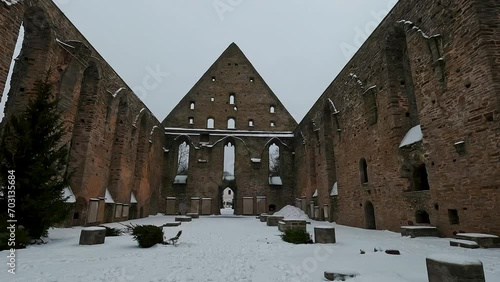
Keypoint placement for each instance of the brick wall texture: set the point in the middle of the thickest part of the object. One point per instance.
(430, 66)
(112, 143)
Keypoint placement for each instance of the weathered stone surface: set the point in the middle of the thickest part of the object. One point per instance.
(172, 224)
(464, 244)
(114, 141)
(452, 268)
(418, 72)
(324, 235)
(419, 231)
(286, 224)
(93, 236)
(333, 276)
(231, 74)
(183, 218)
(263, 217)
(483, 240)
(392, 252)
(193, 215)
(273, 220)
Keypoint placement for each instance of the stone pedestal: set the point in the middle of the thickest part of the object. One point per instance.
(193, 215)
(324, 235)
(172, 224)
(292, 224)
(483, 240)
(92, 236)
(419, 231)
(273, 220)
(183, 218)
(263, 217)
(334, 276)
(453, 268)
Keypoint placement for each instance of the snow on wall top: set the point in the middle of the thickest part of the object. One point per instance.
(413, 136)
(455, 259)
(11, 2)
(292, 212)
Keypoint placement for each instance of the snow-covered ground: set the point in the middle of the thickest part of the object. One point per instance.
(235, 248)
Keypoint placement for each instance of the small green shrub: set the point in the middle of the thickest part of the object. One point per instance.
(110, 231)
(22, 239)
(296, 236)
(147, 235)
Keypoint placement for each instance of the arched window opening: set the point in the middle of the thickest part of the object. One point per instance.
(250, 123)
(227, 198)
(232, 99)
(272, 109)
(231, 123)
(229, 160)
(191, 120)
(274, 160)
(183, 159)
(210, 123)
(419, 178)
(191, 106)
(363, 171)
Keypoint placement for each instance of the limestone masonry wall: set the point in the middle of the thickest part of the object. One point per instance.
(407, 134)
(109, 131)
(429, 63)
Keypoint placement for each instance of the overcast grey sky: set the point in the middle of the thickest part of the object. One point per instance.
(298, 46)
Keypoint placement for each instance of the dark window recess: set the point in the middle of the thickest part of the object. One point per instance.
(363, 171)
(422, 217)
(453, 216)
(76, 215)
(419, 178)
(205, 137)
(370, 103)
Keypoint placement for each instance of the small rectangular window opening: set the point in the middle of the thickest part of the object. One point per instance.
(273, 124)
(212, 99)
(213, 78)
(453, 216)
(252, 79)
(191, 120)
(191, 106)
(250, 123)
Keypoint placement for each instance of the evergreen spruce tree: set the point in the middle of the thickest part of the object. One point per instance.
(31, 147)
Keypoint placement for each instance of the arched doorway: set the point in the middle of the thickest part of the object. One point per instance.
(370, 216)
(227, 201)
(422, 217)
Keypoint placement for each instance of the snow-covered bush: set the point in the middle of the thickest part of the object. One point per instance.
(147, 235)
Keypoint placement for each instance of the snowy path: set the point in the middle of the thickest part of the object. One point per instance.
(235, 249)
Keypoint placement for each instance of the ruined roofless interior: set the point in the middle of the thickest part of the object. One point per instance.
(407, 133)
